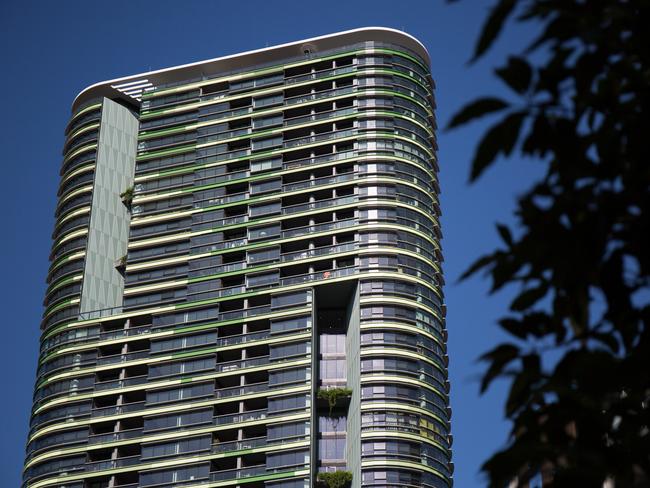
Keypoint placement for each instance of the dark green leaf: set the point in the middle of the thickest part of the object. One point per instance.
(501, 138)
(477, 265)
(498, 358)
(493, 26)
(505, 234)
(517, 74)
(476, 109)
(528, 298)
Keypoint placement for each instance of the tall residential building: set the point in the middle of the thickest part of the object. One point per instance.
(245, 284)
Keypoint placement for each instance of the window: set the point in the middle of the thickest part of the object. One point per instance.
(178, 447)
(285, 459)
(259, 144)
(337, 425)
(290, 299)
(332, 448)
(174, 475)
(289, 350)
(181, 367)
(266, 164)
(287, 376)
(184, 342)
(265, 209)
(378, 214)
(178, 420)
(290, 325)
(259, 102)
(263, 255)
(257, 82)
(332, 343)
(333, 369)
(282, 404)
(160, 396)
(265, 232)
(265, 279)
(268, 121)
(186, 317)
(266, 186)
(284, 431)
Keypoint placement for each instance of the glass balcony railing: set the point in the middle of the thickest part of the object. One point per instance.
(239, 445)
(241, 390)
(320, 275)
(121, 383)
(303, 207)
(236, 418)
(117, 409)
(328, 180)
(233, 474)
(244, 363)
(115, 436)
(121, 358)
(112, 463)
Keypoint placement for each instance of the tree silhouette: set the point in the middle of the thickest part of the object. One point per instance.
(578, 364)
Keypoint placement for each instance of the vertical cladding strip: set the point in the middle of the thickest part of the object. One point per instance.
(103, 285)
(353, 349)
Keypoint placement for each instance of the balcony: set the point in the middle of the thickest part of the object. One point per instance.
(117, 409)
(241, 390)
(121, 383)
(239, 445)
(115, 436)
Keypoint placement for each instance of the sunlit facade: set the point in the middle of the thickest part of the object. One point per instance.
(245, 281)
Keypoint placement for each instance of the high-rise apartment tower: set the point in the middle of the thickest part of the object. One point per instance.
(245, 284)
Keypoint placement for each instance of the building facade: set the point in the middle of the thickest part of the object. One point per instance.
(245, 282)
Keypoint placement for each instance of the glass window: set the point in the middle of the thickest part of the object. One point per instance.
(284, 459)
(290, 299)
(258, 144)
(332, 448)
(174, 475)
(262, 279)
(289, 350)
(265, 209)
(266, 186)
(290, 325)
(333, 369)
(259, 102)
(286, 376)
(268, 121)
(178, 420)
(177, 447)
(283, 404)
(266, 164)
(263, 255)
(265, 232)
(283, 431)
(160, 396)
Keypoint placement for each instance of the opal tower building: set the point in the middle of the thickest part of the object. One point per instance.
(245, 283)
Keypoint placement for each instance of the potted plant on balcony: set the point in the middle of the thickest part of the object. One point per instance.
(127, 196)
(335, 479)
(333, 395)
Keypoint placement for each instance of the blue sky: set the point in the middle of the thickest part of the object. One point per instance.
(51, 50)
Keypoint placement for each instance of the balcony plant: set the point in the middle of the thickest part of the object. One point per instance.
(127, 196)
(333, 395)
(120, 264)
(335, 479)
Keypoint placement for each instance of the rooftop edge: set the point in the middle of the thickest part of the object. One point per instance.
(232, 61)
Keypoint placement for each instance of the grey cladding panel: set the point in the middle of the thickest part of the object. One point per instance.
(103, 286)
